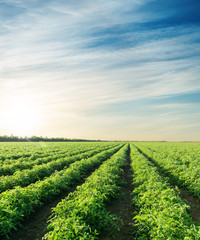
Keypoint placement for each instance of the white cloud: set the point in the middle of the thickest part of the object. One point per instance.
(47, 55)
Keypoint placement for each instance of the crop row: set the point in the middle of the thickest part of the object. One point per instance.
(14, 151)
(6, 159)
(181, 169)
(25, 177)
(161, 213)
(83, 215)
(183, 153)
(11, 152)
(27, 163)
(20, 202)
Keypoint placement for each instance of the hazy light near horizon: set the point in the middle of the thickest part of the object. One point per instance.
(100, 70)
(20, 117)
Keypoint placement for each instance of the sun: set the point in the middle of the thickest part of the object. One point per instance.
(21, 118)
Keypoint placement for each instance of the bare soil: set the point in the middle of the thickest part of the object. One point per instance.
(193, 202)
(123, 208)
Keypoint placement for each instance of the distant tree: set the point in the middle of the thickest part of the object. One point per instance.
(12, 138)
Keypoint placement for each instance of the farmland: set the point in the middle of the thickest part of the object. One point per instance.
(99, 190)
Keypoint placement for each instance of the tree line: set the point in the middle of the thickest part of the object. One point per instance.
(41, 139)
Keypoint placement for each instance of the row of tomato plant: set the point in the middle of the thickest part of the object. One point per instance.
(160, 212)
(25, 177)
(83, 214)
(15, 204)
(27, 163)
(15, 150)
(182, 169)
(34, 155)
(12, 151)
(182, 153)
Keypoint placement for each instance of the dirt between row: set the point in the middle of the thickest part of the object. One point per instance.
(123, 208)
(192, 201)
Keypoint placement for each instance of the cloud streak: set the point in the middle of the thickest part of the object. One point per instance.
(77, 58)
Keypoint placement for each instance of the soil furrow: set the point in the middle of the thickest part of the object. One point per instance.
(123, 208)
(192, 202)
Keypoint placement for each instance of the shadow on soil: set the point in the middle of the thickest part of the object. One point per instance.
(123, 208)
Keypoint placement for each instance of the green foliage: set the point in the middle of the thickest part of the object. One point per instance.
(17, 203)
(19, 156)
(82, 215)
(179, 161)
(161, 212)
(38, 172)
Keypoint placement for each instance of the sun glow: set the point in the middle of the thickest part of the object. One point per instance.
(21, 118)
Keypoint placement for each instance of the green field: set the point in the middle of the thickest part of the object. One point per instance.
(81, 182)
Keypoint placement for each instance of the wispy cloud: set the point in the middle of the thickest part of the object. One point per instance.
(79, 56)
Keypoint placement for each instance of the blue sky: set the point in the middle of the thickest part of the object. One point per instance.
(100, 69)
